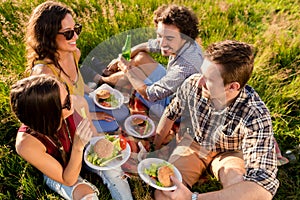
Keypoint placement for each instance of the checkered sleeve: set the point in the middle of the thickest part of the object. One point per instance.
(175, 109)
(168, 84)
(259, 151)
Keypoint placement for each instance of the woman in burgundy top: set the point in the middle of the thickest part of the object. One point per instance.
(53, 135)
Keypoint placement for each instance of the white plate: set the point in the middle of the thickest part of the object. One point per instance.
(146, 163)
(112, 164)
(119, 96)
(130, 131)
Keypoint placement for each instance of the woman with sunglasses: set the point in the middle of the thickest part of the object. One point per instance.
(51, 48)
(53, 139)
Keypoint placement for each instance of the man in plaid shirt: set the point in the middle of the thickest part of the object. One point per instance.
(230, 129)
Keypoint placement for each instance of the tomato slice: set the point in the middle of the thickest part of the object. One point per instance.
(123, 142)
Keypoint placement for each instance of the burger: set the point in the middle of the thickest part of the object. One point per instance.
(103, 94)
(102, 97)
(163, 175)
(137, 121)
(104, 148)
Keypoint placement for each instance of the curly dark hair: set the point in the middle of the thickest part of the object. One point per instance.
(42, 28)
(181, 17)
(236, 59)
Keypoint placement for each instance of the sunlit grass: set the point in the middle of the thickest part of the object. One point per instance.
(271, 26)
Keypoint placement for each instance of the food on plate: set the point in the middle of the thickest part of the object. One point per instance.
(138, 121)
(106, 98)
(160, 174)
(105, 150)
(163, 175)
(103, 94)
(140, 125)
(132, 143)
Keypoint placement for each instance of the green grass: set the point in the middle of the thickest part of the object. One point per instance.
(272, 26)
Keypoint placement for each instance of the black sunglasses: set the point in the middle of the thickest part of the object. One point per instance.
(67, 104)
(70, 34)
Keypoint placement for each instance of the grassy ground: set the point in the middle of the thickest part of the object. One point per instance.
(272, 26)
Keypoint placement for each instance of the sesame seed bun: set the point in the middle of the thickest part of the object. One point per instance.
(163, 174)
(103, 94)
(104, 148)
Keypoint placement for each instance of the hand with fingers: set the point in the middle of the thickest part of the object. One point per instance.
(123, 64)
(113, 65)
(104, 116)
(181, 192)
(83, 134)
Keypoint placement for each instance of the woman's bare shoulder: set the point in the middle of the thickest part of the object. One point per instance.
(41, 69)
(27, 144)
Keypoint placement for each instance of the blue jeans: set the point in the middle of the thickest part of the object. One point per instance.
(115, 181)
(67, 191)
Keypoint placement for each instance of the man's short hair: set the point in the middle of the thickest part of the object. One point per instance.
(236, 59)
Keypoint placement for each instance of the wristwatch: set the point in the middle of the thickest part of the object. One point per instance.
(195, 196)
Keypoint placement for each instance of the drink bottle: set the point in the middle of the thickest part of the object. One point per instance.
(126, 50)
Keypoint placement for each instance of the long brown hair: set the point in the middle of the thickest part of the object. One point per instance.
(36, 102)
(41, 31)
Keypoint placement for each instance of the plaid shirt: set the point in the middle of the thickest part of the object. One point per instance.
(186, 62)
(243, 126)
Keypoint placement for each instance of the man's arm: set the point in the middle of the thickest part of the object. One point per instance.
(245, 190)
(163, 128)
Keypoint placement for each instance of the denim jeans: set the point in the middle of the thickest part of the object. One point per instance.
(67, 191)
(115, 181)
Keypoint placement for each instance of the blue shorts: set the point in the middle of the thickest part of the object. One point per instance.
(67, 191)
(159, 72)
(158, 106)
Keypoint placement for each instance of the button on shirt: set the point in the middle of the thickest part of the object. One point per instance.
(187, 62)
(243, 126)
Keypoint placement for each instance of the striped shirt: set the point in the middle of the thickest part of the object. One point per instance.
(187, 62)
(244, 126)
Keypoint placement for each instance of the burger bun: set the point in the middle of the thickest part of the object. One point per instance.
(103, 94)
(104, 148)
(163, 174)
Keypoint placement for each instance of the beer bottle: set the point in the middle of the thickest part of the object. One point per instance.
(126, 50)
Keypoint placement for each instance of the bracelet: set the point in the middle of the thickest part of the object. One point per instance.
(195, 196)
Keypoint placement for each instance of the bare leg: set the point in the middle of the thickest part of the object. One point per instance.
(82, 190)
(114, 78)
(229, 167)
(145, 62)
(142, 60)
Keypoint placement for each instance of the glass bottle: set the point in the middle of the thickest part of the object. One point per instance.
(126, 50)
